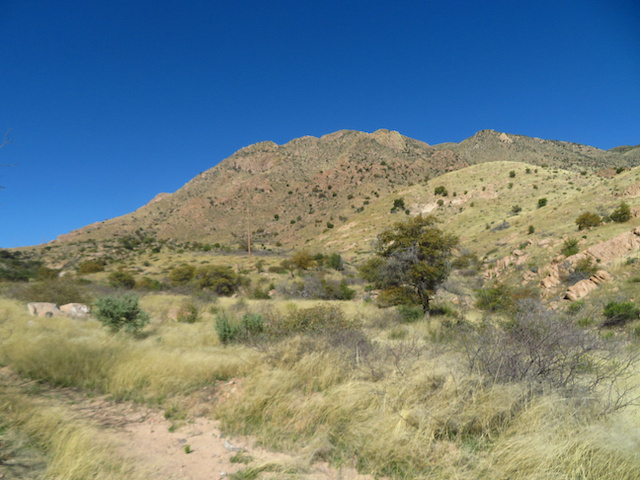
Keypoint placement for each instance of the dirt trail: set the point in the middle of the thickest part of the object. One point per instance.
(158, 447)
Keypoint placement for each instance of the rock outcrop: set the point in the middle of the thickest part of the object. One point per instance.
(583, 287)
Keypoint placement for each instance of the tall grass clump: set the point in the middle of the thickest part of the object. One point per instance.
(74, 451)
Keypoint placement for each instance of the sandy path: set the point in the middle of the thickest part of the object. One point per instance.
(146, 436)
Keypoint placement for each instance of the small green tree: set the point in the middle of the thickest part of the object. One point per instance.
(416, 260)
(622, 213)
(542, 202)
(588, 220)
(222, 280)
(119, 313)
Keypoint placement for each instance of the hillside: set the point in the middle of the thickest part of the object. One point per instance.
(289, 194)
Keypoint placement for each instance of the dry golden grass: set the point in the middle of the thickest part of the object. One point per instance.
(408, 408)
(73, 450)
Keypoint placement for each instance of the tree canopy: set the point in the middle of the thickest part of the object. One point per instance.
(413, 260)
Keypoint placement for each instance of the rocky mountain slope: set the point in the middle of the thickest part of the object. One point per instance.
(290, 194)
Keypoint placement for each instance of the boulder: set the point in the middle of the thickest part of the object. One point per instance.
(43, 309)
(75, 310)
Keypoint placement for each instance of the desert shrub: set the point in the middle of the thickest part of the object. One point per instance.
(619, 313)
(182, 274)
(121, 279)
(317, 287)
(259, 293)
(398, 205)
(315, 320)
(582, 270)
(46, 273)
(303, 260)
(588, 220)
(227, 330)
(252, 324)
(372, 271)
(219, 279)
(441, 190)
(542, 202)
(516, 209)
(543, 349)
(531, 230)
(410, 313)
(15, 268)
(121, 313)
(570, 247)
(512, 174)
(621, 214)
(91, 266)
(466, 259)
(187, 313)
(335, 262)
(60, 291)
(498, 298)
(146, 283)
(440, 202)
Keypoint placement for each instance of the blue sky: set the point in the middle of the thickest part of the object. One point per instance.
(110, 103)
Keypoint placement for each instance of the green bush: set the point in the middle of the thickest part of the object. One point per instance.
(187, 313)
(512, 173)
(91, 266)
(219, 279)
(621, 214)
(619, 313)
(121, 313)
(495, 299)
(227, 330)
(182, 274)
(570, 247)
(121, 279)
(315, 320)
(146, 283)
(588, 220)
(441, 190)
(335, 262)
(252, 324)
(410, 313)
(532, 229)
(542, 202)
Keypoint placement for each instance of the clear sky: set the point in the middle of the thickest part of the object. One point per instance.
(111, 102)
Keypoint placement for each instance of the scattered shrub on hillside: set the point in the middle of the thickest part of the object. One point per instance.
(570, 247)
(91, 266)
(542, 202)
(588, 220)
(398, 204)
(46, 273)
(121, 313)
(441, 190)
(121, 279)
(516, 209)
(512, 173)
(621, 214)
(619, 313)
(315, 320)
(532, 229)
(15, 268)
(182, 274)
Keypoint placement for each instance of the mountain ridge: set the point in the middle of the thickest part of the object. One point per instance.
(285, 193)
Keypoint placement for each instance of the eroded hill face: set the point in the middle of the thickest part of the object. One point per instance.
(312, 188)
